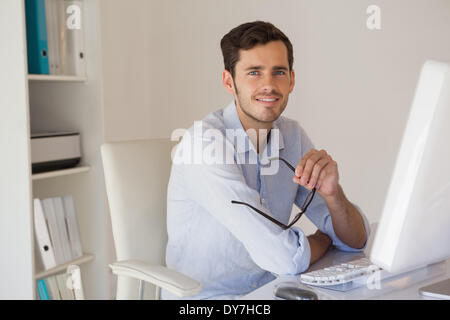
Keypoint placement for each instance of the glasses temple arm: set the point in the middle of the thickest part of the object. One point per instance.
(308, 200)
(284, 227)
(298, 216)
(287, 163)
(311, 194)
(303, 209)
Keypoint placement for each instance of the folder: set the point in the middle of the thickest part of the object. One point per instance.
(62, 228)
(52, 35)
(72, 226)
(43, 237)
(37, 46)
(52, 288)
(72, 56)
(64, 282)
(49, 212)
(42, 290)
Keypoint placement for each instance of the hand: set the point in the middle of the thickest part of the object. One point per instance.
(323, 238)
(317, 169)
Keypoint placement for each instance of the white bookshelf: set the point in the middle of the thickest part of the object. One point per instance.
(16, 242)
(37, 103)
(58, 173)
(55, 78)
(61, 268)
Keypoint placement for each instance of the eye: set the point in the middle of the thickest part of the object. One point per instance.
(280, 73)
(253, 73)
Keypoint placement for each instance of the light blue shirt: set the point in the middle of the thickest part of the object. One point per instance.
(229, 248)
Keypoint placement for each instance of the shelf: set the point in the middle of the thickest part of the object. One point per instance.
(57, 173)
(55, 78)
(83, 259)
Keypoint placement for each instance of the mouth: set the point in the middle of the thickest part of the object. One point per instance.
(268, 101)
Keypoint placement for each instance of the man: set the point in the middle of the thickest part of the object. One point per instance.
(230, 248)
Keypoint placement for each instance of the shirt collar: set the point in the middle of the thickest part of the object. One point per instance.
(232, 121)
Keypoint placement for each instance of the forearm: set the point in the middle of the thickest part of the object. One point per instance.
(319, 243)
(347, 221)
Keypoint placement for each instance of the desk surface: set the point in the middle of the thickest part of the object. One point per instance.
(403, 286)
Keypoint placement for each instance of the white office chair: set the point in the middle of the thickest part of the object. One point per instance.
(136, 177)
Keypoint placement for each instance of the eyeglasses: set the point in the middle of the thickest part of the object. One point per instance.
(305, 205)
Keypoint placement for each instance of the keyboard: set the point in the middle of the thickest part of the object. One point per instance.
(344, 273)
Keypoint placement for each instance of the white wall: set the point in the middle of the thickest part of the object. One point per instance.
(354, 86)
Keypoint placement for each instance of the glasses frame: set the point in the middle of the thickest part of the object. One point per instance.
(303, 209)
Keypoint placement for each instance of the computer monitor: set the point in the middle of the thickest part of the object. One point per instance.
(414, 229)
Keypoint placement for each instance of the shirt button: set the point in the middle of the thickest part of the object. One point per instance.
(263, 200)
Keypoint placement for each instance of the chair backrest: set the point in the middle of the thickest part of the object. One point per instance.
(136, 178)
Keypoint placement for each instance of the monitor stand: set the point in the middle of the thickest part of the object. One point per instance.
(440, 290)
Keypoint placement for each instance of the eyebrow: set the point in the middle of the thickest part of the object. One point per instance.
(261, 67)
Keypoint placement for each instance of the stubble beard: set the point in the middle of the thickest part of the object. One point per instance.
(245, 107)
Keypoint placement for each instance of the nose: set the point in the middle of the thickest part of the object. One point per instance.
(269, 90)
(268, 85)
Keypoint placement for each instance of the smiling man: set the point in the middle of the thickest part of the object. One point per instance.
(230, 248)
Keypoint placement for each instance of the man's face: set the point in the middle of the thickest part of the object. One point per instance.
(263, 81)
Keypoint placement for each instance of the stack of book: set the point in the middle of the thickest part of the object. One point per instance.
(55, 287)
(55, 40)
(56, 230)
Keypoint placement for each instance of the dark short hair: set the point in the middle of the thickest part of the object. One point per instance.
(247, 36)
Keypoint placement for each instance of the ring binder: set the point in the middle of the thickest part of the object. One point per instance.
(37, 46)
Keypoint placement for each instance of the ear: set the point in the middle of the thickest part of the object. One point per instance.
(291, 86)
(227, 80)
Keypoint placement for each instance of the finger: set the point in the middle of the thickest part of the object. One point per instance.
(322, 177)
(296, 179)
(301, 164)
(309, 165)
(317, 170)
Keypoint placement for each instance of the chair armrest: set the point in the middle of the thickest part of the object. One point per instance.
(163, 277)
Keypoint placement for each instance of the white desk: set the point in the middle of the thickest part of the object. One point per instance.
(405, 286)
